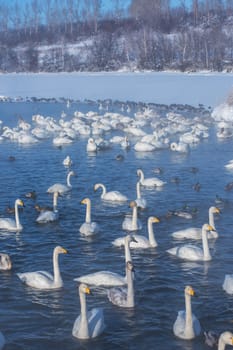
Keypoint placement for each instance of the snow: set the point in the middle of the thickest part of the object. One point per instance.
(209, 89)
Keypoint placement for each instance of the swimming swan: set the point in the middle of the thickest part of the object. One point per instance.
(228, 284)
(187, 326)
(5, 262)
(43, 279)
(192, 252)
(112, 196)
(60, 187)
(196, 232)
(226, 338)
(141, 202)
(121, 296)
(131, 222)
(10, 224)
(108, 278)
(88, 228)
(49, 215)
(150, 181)
(89, 324)
(141, 242)
(2, 341)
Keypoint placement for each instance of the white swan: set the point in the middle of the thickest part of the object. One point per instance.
(43, 279)
(192, 252)
(2, 341)
(132, 223)
(141, 242)
(228, 284)
(141, 202)
(112, 196)
(91, 145)
(179, 147)
(5, 262)
(60, 187)
(226, 338)
(150, 181)
(49, 215)
(89, 324)
(88, 228)
(196, 232)
(121, 296)
(10, 224)
(187, 326)
(108, 278)
(67, 161)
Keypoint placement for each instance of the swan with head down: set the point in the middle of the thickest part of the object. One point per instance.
(111, 196)
(187, 326)
(108, 278)
(142, 242)
(196, 232)
(193, 252)
(150, 181)
(61, 188)
(89, 324)
(10, 224)
(43, 279)
(49, 215)
(88, 228)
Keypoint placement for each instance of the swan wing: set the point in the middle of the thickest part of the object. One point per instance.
(188, 252)
(47, 216)
(179, 326)
(37, 279)
(88, 229)
(115, 196)
(118, 296)
(7, 223)
(191, 232)
(102, 278)
(58, 188)
(96, 323)
(141, 242)
(119, 242)
(228, 284)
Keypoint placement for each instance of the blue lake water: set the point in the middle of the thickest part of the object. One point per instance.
(32, 319)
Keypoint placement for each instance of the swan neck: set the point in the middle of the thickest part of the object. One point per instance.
(188, 316)
(84, 332)
(127, 251)
(141, 175)
(151, 235)
(135, 218)
(68, 180)
(205, 245)
(103, 190)
(88, 212)
(56, 270)
(55, 201)
(17, 222)
(130, 291)
(138, 190)
(211, 219)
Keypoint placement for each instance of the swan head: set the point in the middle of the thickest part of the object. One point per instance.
(96, 186)
(153, 219)
(85, 201)
(215, 210)
(71, 173)
(19, 202)
(83, 288)
(207, 227)
(189, 291)
(139, 172)
(132, 204)
(60, 250)
(227, 338)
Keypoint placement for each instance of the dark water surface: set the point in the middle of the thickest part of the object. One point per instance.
(32, 319)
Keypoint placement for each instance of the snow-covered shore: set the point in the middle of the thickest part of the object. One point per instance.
(209, 89)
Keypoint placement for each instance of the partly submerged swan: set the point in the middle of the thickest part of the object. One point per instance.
(60, 187)
(108, 278)
(141, 242)
(150, 181)
(228, 284)
(2, 341)
(88, 228)
(112, 196)
(5, 262)
(10, 224)
(124, 296)
(49, 215)
(141, 202)
(226, 338)
(43, 279)
(196, 232)
(89, 324)
(187, 326)
(192, 252)
(132, 223)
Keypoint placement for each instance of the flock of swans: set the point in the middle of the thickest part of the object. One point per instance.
(120, 288)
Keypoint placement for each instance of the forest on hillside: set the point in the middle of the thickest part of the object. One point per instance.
(75, 35)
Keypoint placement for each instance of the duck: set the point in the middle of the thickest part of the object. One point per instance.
(11, 224)
(31, 194)
(61, 188)
(88, 228)
(43, 279)
(141, 242)
(49, 215)
(111, 196)
(124, 296)
(5, 262)
(193, 252)
(131, 222)
(149, 182)
(107, 278)
(141, 202)
(196, 232)
(89, 324)
(187, 326)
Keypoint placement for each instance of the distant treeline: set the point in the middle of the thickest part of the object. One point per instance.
(75, 35)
